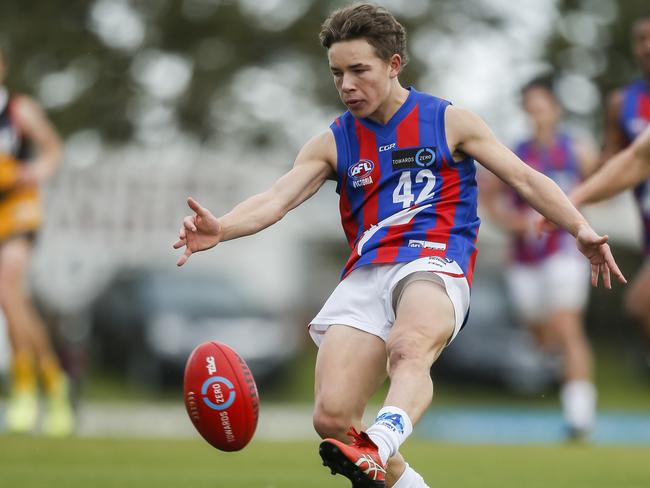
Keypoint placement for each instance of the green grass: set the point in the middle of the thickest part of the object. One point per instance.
(30, 462)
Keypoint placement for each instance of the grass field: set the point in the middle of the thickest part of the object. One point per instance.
(29, 462)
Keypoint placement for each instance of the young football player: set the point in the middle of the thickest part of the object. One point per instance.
(404, 164)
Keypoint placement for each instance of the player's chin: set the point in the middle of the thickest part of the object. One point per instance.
(360, 110)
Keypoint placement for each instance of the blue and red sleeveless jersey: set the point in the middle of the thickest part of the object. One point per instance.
(558, 161)
(402, 195)
(635, 116)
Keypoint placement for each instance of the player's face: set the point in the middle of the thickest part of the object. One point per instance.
(641, 43)
(541, 107)
(362, 79)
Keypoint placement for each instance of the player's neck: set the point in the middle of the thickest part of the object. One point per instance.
(397, 97)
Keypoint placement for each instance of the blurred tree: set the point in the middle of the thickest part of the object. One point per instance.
(590, 52)
(145, 68)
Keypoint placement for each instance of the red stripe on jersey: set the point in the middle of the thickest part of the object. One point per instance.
(408, 135)
(338, 121)
(644, 106)
(449, 197)
(370, 206)
(368, 150)
(470, 267)
(350, 225)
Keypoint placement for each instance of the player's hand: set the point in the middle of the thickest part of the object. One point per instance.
(199, 232)
(596, 249)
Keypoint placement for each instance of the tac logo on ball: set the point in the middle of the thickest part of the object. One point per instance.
(223, 397)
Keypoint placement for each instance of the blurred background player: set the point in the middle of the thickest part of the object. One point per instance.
(547, 278)
(628, 113)
(30, 151)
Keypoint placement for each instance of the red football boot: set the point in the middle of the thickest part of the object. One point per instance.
(360, 462)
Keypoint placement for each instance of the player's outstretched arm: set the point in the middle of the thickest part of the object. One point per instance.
(626, 169)
(468, 134)
(314, 164)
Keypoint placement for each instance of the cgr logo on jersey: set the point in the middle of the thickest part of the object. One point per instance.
(387, 147)
(417, 157)
(360, 173)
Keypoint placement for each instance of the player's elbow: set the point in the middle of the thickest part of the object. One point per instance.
(523, 182)
(275, 212)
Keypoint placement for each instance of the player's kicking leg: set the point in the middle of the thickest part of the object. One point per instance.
(416, 340)
(351, 365)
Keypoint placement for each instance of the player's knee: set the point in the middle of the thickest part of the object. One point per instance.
(331, 423)
(414, 350)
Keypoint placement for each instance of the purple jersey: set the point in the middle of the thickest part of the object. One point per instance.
(402, 195)
(635, 116)
(559, 162)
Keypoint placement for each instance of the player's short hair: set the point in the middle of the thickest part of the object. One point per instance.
(540, 83)
(370, 22)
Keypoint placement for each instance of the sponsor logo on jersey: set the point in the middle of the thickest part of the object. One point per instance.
(440, 261)
(360, 172)
(418, 157)
(361, 169)
(387, 147)
(438, 246)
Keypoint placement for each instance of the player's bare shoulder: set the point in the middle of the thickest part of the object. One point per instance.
(462, 127)
(321, 150)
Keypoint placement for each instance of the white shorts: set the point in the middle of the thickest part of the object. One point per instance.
(366, 299)
(560, 282)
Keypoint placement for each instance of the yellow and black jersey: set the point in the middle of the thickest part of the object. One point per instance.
(20, 207)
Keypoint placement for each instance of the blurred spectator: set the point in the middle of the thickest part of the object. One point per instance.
(547, 277)
(29, 154)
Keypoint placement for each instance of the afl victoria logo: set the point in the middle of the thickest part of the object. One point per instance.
(218, 392)
(361, 169)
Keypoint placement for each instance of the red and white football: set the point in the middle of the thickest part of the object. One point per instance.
(221, 396)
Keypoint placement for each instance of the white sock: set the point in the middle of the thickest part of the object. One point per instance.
(410, 479)
(392, 426)
(578, 400)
